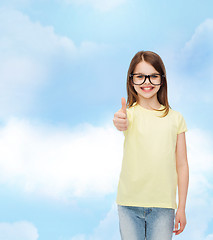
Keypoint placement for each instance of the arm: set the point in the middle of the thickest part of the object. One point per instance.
(183, 181)
(182, 170)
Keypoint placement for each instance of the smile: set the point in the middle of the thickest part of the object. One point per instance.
(147, 89)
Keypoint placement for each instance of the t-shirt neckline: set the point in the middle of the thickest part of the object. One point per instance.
(148, 110)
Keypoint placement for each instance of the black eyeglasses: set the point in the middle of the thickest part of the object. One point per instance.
(154, 79)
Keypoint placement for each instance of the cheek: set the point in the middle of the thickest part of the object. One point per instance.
(136, 88)
(156, 89)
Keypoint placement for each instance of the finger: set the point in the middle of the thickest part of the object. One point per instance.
(120, 114)
(120, 122)
(123, 102)
(122, 128)
(176, 225)
(179, 231)
(181, 228)
(176, 231)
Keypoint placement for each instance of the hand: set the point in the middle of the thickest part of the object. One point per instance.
(180, 218)
(120, 117)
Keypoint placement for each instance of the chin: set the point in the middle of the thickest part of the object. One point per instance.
(147, 95)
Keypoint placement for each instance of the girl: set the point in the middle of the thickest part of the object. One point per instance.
(154, 155)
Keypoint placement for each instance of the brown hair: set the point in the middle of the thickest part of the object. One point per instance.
(155, 60)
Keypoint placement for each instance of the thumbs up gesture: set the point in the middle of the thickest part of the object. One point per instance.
(120, 117)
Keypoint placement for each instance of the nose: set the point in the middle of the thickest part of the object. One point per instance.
(147, 79)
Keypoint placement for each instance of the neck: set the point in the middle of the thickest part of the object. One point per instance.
(149, 103)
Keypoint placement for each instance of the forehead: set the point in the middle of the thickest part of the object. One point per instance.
(145, 68)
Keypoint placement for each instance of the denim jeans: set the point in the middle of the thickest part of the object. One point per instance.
(150, 223)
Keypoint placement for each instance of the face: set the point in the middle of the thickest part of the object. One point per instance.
(146, 68)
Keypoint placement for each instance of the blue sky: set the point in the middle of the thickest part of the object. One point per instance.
(63, 73)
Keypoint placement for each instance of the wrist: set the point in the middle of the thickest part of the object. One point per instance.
(181, 208)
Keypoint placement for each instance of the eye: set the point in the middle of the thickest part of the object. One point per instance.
(154, 76)
(140, 76)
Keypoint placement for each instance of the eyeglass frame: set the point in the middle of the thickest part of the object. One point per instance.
(146, 76)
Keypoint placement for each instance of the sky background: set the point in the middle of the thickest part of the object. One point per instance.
(63, 69)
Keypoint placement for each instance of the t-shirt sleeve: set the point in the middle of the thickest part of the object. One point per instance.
(182, 127)
(129, 117)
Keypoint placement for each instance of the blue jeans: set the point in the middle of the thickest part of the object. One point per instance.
(150, 223)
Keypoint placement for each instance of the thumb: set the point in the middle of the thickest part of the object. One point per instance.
(123, 102)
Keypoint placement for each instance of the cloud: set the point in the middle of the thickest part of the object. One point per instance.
(26, 49)
(60, 163)
(20, 79)
(191, 67)
(16, 3)
(100, 5)
(33, 55)
(22, 230)
(200, 197)
(22, 36)
(198, 50)
(108, 228)
(209, 237)
(65, 164)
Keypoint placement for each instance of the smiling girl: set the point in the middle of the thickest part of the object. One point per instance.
(154, 155)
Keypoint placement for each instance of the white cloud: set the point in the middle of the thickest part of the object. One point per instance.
(30, 52)
(192, 67)
(20, 78)
(60, 163)
(66, 164)
(209, 237)
(200, 197)
(26, 50)
(16, 3)
(200, 45)
(100, 5)
(20, 35)
(22, 230)
(108, 228)
(23, 37)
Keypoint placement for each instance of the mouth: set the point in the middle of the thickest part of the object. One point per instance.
(147, 89)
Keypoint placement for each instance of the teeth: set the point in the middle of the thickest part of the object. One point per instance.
(147, 88)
